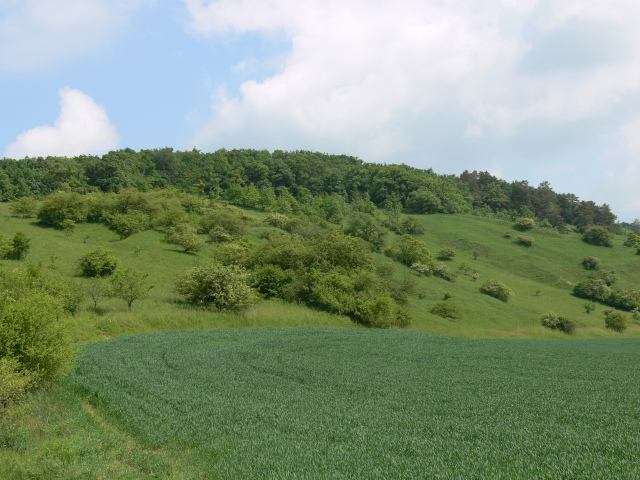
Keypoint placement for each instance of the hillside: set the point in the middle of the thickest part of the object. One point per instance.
(541, 277)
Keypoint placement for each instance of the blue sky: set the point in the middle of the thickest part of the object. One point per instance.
(526, 89)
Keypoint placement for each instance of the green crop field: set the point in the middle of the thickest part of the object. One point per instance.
(355, 403)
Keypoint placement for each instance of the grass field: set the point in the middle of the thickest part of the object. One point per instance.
(340, 403)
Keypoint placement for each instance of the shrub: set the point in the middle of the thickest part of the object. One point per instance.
(590, 263)
(272, 281)
(556, 322)
(442, 270)
(14, 382)
(496, 289)
(593, 289)
(447, 309)
(219, 235)
(26, 207)
(633, 240)
(20, 245)
(409, 250)
(507, 234)
(597, 235)
(616, 321)
(422, 269)
(411, 226)
(128, 224)
(185, 236)
(129, 285)
(524, 240)
(524, 224)
(59, 207)
(34, 337)
(366, 227)
(446, 253)
(589, 307)
(97, 263)
(217, 286)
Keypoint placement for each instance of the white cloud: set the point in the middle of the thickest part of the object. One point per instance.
(38, 34)
(444, 83)
(82, 128)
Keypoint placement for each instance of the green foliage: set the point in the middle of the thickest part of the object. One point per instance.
(591, 263)
(633, 240)
(410, 226)
(233, 220)
(33, 335)
(273, 282)
(597, 235)
(524, 224)
(446, 253)
(443, 271)
(19, 247)
(592, 288)
(57, 208)
(186, 236)
(97, 290)
(24, 207)
(423, 201)
(556, 322)
(616, 321)
(525, 240)
(130, 285)
(447, 309)
(97, 263)
(127, 224)
(410, 250)
(14, 382)
(589, 307)
(222, 287)
(507, 234)
(367, 227)
(496, 289)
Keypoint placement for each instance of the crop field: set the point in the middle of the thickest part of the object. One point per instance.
(359, 403)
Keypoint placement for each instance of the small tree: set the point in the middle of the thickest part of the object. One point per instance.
(223, 287)
(20, 245)
(524, 224)
(590, 263)
(447, 309)
(616, 321)
(524, 240)
(24, 207)
(557, 322)
(97, 290)
(129, 285)
(597, 235)
(589, 307)
(446, 253)
(186, 236)
(496, 289)
(97, 263)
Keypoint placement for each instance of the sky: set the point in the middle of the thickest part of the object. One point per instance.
(525, 89)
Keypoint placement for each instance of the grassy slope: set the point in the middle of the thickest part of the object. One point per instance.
(541, 276)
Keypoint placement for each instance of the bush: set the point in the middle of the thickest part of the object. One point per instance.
(217, 286)
(409, 250)
(592, 289)
(496, 289)
(507, 234)
(524, 224)
(633, 240)
(447, 309)
(366, 227)
(446, 253)
(128, 224)
(97, 263)
(600, 236)
(33, 338)
(524, 240)
(185, 236)
(616, 321)
(556, 322)
(59, 207)
(442, 270)
(26, 207)
(590, 263)
(272, 281)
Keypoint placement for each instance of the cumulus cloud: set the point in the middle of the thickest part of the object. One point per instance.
(82, 128)
(39, 34)
(511, 85)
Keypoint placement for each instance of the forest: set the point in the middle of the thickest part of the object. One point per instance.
(294, 180)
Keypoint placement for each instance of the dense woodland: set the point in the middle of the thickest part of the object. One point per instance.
(293, 181)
